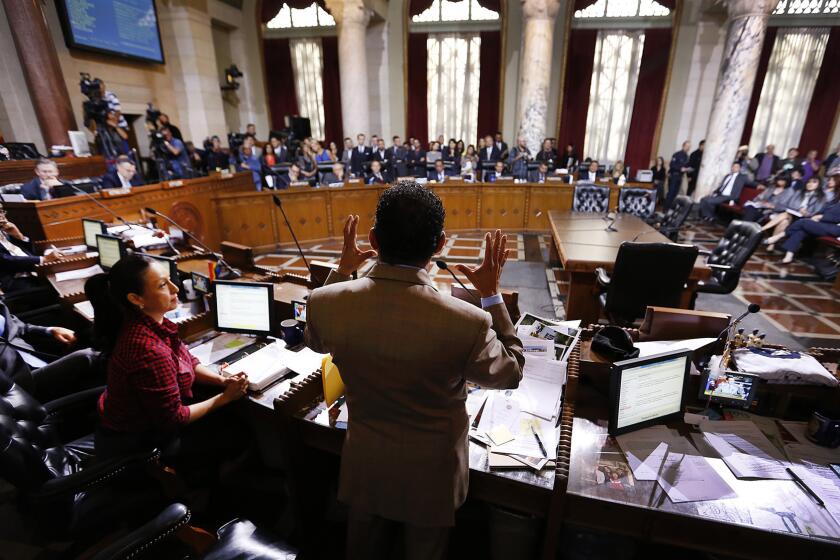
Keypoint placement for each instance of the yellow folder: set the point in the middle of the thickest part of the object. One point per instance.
(331, 378)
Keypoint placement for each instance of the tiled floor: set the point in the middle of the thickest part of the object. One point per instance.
(792, 297)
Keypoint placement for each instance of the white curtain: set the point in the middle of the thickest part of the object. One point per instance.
(788, 86)
(615, 72)
(452, 72)
(308, 66)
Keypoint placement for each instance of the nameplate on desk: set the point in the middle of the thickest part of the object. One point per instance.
(114, 193)
(556, 179)
(407, 178)
(173, 184)
(454, 179)
(355, 181)
(299, 184)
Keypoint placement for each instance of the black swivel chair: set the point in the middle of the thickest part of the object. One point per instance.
(636, 201)
(236, 539)
(591, 198)
(669, 222)
(727, 260)
(645, 274)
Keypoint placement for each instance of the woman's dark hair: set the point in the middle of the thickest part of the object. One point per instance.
(409, 223)
(108, 294)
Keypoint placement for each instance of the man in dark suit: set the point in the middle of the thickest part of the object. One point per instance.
(294, 176)
(501, 146)
(376, 175)
(396, 156)
(540, 174)
(123, 175)
(346, 153)
(41, 187)
(591, 174)
(359, 157)
(17, 258)
(439, 174)
(678, 166)
(380, 154)
(335, 176)
(729, 189)
(694, 161)
(497, 173)
(489, 153)
(416, 159)
(46, 377)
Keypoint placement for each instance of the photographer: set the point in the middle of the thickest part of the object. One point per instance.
(177, 154)
(163, 122)
(111, 138)
(103, 117)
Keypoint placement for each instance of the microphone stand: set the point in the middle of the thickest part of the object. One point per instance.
(444, 266)
(234, 271)
(279, 204)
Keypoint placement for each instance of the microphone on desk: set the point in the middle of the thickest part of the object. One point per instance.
(233, 271)
(441, 264)
(279, 204)
(751, 308)
(611, 217)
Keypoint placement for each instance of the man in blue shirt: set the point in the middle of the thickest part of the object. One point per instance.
(178, 156)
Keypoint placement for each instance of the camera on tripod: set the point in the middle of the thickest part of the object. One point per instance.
(95, 108)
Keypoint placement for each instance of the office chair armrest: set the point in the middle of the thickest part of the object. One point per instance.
(602, 277)
(75, 415)
(721, 267)
(705, 253)
(161, 527)
(74, 401)
(95, 474)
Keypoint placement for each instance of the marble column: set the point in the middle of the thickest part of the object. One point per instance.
(351, 18)
(538, 17)
(41, 70)
(746, 27)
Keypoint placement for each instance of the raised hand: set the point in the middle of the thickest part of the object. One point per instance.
(485, 277)
(351, 256)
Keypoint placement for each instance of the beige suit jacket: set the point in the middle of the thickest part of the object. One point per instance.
(405, 352)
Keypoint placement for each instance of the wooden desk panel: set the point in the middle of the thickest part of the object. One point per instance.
(248, 218)
(357, 200)
(21, 171)
(308, 212)
(461, 204)
(542, 200)
(503, 207)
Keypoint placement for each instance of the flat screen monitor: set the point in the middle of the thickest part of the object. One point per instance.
(170, 265)
(243, 307)
(200, 282)
(111, 249)
(729, 388)
(92, 228)
(647, 391)
(124, 28)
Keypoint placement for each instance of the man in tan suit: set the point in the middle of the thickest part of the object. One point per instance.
(405, 352)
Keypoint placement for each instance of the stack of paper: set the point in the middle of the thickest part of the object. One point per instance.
(745, 449)
(78, 273)
(220, 347)
(825, 484)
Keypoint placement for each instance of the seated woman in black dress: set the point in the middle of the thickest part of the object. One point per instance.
(149, 401)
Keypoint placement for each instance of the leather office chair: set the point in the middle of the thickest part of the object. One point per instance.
(636, 201)
(591, 198)
(672, 220)
(48, 455)
(632, 286)
(237, 539)
(727, 260)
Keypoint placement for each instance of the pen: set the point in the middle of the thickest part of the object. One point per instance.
(539, 442)
(804, 486)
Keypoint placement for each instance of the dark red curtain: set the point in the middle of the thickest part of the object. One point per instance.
(279, 81)
(417, 123)
(490, 61)
(766, 49)
(649, 89)
(331, 84)
(579, 61)
(816, 134)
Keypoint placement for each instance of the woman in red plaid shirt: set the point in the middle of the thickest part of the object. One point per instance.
(149, 399)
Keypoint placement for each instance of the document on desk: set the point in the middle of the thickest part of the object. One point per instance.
(263, 367)
(524, 442)
(304, 361)
(691, 478)
(745, 449)
(541, 389)
(78, 274)
(825, 484)
(812, 453)
(645, 450)
(508, 430)
(659, 347)
(220, 347)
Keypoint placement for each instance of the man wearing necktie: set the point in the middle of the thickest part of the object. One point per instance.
(16, 258)
(41, 187)
(360, 156)
(439, 173)
(729, 190)
(539, 175)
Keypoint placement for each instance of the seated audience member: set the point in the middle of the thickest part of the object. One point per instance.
(460, 148)
(469, 163)
(196, 158)
(334, 176)
(497, 173)
(376, 175)
(179, 159)
(618, 171)
(796, 204)
(518, 160)
(250, 161)
(293, 176)
(359, 157)
(768, 164)
(831, 163)
(124, 175)
(45, 376)
(729, 190)
(334, 153)
(149, 401)
(268, 159)
(796, 182)
(321, 155)
(826, 223)
(547, 154)
(481, 144)
(539, 174)
(791, 162)
(163, 122)
(759, 208)
(17, 258)
(41, 187)
(251, 130)
(308, 164)
(811, 165)
(660, 174)
(591, 174)
(405, 394)
(217, 158)
(439, 173)
(830, 188)
(450, 152)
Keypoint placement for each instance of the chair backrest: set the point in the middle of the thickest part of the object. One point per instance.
(739, 242)
(747, 194)
(636, 201)
(591, 198)
(676, 215)
(648, 274)
(32, 449)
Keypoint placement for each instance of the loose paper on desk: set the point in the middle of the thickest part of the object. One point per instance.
(304, 361)
(219, 348)
(689, 477)
(812, 453)
(660, 347)
(645, 450)
(825, 484)
(541, 389)
(78, 273)
(745, 450)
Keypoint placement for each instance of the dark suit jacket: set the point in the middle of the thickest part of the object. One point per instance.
(12, 264)
(32, 190)
(370, 179)
(584, 175)
(383, 157)
(111, 181)
(678, 161)
(740, 180)
(694, 161)
(415, 166)
(534, 177)
(330, 177)
(18, 334)
(433, 176)
(358, 160)
(495, 155)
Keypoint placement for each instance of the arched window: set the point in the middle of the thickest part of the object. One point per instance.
(623, 9)
(463, 10)
(807, 7)
(291, 18)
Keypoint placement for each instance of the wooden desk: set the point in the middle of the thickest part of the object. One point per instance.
(188, 202)
(583, 244)
(23, 170)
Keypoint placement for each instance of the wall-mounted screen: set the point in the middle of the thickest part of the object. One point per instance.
(125, 28)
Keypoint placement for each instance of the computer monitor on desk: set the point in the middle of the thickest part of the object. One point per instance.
(647, 391)
(172, 267)
(243, 307)
(111, 249)
(92, 228)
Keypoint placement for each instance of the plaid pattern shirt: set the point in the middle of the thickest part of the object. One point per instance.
(150, 376)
